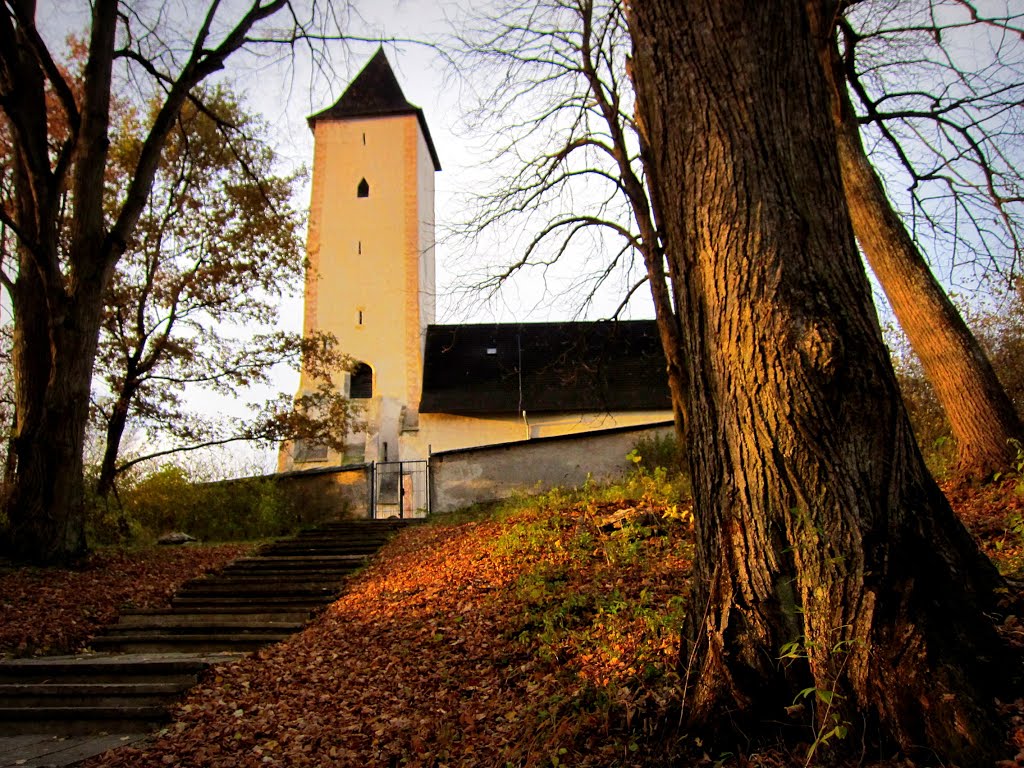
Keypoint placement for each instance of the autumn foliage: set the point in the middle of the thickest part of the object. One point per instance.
(539, 634)
(57, 610)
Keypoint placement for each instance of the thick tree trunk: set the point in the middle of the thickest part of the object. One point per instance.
(54, 362)
(821, 537)
(980, 412)
(57, 297)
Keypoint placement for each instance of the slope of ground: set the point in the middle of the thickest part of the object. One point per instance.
(56, 610)
(537, 633)
(540, 634)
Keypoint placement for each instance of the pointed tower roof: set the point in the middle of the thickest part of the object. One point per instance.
(375, 92)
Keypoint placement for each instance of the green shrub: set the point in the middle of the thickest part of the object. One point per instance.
(169, 499)
(658, 474)
(661, 450)
(931, 428)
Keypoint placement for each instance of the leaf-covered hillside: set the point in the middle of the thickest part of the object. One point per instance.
(542, 633)
(517, 638)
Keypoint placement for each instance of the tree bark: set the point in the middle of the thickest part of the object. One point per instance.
(980, 413)
(827, 558)
(46, 515)
(112, 447)
(57, 311)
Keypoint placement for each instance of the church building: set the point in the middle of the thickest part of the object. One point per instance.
(425, 388)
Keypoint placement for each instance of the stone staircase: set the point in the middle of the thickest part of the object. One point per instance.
(150, 657)
(88, 694)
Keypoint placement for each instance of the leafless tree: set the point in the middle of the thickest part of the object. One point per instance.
(571, 154)
(558, 100)
(925, 100)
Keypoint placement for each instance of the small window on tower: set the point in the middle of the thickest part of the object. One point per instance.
(363, 190)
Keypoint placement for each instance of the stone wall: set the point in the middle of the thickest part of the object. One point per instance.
(329, 493)
(462, 477)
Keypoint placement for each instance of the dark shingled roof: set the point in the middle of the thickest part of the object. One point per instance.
(544, 367)
(375, 92)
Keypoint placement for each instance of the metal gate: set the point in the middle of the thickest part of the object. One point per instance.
(400, 489)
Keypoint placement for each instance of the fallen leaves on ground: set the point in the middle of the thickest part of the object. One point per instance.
(524, 639)
(994, 513)
(484, 643)
(56, 610)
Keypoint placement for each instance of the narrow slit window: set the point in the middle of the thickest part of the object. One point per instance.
(359, 247)
(363, 190)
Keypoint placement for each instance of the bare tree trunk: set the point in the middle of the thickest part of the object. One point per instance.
(980, 412)
(827, 559)
(112, 446)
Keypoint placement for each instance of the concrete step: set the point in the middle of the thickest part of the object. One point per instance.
(261, 603)
(77, 721)
(90, 668)
(317, 560)
(282, 577)
(354, 535)
(286, 574)
(304, 561)
(170, 618)
(258, 588)
(364, 525)
(313, 551)
(166, 642)
(95, 693)
(238, 611)
(255, 601)
(173, 625)
(247, 585)
(113, 694)
(339, 539)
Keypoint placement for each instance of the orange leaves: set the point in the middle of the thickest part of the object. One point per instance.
(424, 661)
(46, 611)
(535, 640)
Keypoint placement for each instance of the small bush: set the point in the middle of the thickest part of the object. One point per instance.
(931, 428)
(658, 474)
(170, 500)
(661, 450)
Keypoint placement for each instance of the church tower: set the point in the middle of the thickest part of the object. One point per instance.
(370, 250)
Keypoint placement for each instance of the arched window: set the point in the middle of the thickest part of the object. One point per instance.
(361, 381)
(363, 190)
